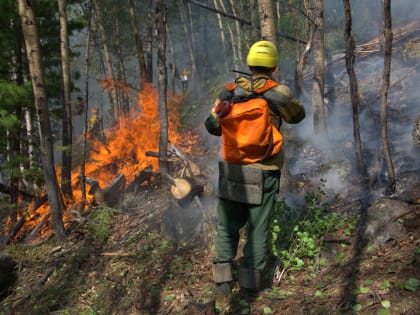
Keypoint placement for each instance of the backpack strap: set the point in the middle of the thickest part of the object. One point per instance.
(268, 85)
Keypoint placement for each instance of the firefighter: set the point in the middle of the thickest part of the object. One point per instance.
(94, 124)
(233, 215)
(185, 75)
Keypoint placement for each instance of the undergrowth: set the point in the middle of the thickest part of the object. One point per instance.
(298, 234)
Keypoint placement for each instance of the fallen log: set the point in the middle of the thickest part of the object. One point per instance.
(12, 233)
(190, 168)
(110, 195)
(38, 227)
(185, 189)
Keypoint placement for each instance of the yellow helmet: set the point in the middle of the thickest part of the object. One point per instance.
(262, 54)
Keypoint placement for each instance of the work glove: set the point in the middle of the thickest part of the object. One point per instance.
(222, 108)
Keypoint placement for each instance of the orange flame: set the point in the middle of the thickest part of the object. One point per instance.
(124, 150)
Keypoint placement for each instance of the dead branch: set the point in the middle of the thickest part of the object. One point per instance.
(12, 233)
(38, 227)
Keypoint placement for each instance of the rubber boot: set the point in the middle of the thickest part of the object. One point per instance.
(222, 277)
(249, 281)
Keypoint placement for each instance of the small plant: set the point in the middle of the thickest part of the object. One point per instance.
(100, 222)
(297, 235)
(411, 284)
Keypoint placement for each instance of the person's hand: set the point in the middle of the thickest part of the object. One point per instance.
(222, 108)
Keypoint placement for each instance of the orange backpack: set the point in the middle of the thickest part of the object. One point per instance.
(247, 133)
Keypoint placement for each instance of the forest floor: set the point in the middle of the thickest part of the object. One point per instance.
(118, 262)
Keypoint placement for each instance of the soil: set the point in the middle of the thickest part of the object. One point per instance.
(137, 271)
(132, 269)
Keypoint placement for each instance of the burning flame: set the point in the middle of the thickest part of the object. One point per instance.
(123, 151)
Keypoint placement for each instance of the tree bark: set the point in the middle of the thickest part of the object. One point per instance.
(235, 57)
(67, 131)
(384, 95)
(138, 40)
(268, 28)
(189, 40)
(354, 91)
(33, 51)
(122, 92)
(108, 62)
(222, 33)
(161, 15)
(319, 112)
(86, 91)
(253, 8)
(238, 41)
(149, 41)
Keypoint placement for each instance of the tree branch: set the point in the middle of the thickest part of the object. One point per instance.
(230, 16)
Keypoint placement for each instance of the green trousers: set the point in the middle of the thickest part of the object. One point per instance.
(232, 216)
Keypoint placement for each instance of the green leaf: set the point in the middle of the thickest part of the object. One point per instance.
(357, 307)
(267, 310)
(412, 284)
(386, 284)
(383, 311)
(386, 303)
(363, 290)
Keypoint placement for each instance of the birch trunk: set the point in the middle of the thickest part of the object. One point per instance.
(67, 128)
(320, 117)
(303, 60)
(33, 51)
(222, 33)
(235, 56)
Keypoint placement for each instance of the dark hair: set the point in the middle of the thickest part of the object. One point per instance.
(259, 69)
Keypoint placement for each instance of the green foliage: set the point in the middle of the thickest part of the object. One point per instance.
(411, 284)
(100, 223)
(297, 235)
(12, 94)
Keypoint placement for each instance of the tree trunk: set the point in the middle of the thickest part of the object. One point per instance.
(108, 62)
(268, 28)
(149, 41)
(354, 92)
(253, 8)
(86, 91)
(238, 41)
(172, 62)
(138, 41)
(122, 92)
(235, 56)
(320, 117)
(303, 59)
(222, 33)
(189, 40)
(67, 132)
(33, 51)
(161, 15)
(384, 95)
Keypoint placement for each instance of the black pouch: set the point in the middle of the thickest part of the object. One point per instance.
(240, 183)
